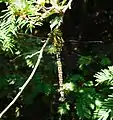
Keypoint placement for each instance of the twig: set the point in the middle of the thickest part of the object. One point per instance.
(29, 56)
(27, 81)
(85, 41)
(30, 35)
(67, 6)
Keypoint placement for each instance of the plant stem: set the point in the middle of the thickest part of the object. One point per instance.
(60, 76)
(27, 81)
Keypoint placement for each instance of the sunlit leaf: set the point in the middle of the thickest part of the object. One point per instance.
(63, 108)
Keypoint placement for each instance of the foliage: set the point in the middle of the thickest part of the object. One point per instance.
(24, 26)
(105, 75)
(105, 107)
(63, 108)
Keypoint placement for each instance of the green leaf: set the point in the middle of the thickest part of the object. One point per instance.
(105, 75)
(63, 108)
(85, 102)
(76, 77)
(69, 86)
(52, 50)
(85, 60)
(105, 61)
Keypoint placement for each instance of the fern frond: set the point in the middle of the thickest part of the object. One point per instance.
(105, 75)
(104, 109)
(84, 97)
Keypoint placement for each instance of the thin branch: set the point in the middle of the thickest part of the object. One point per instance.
(85, 41)
(67, 6)
(30, 35)
(27, 81)
(29, 56)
